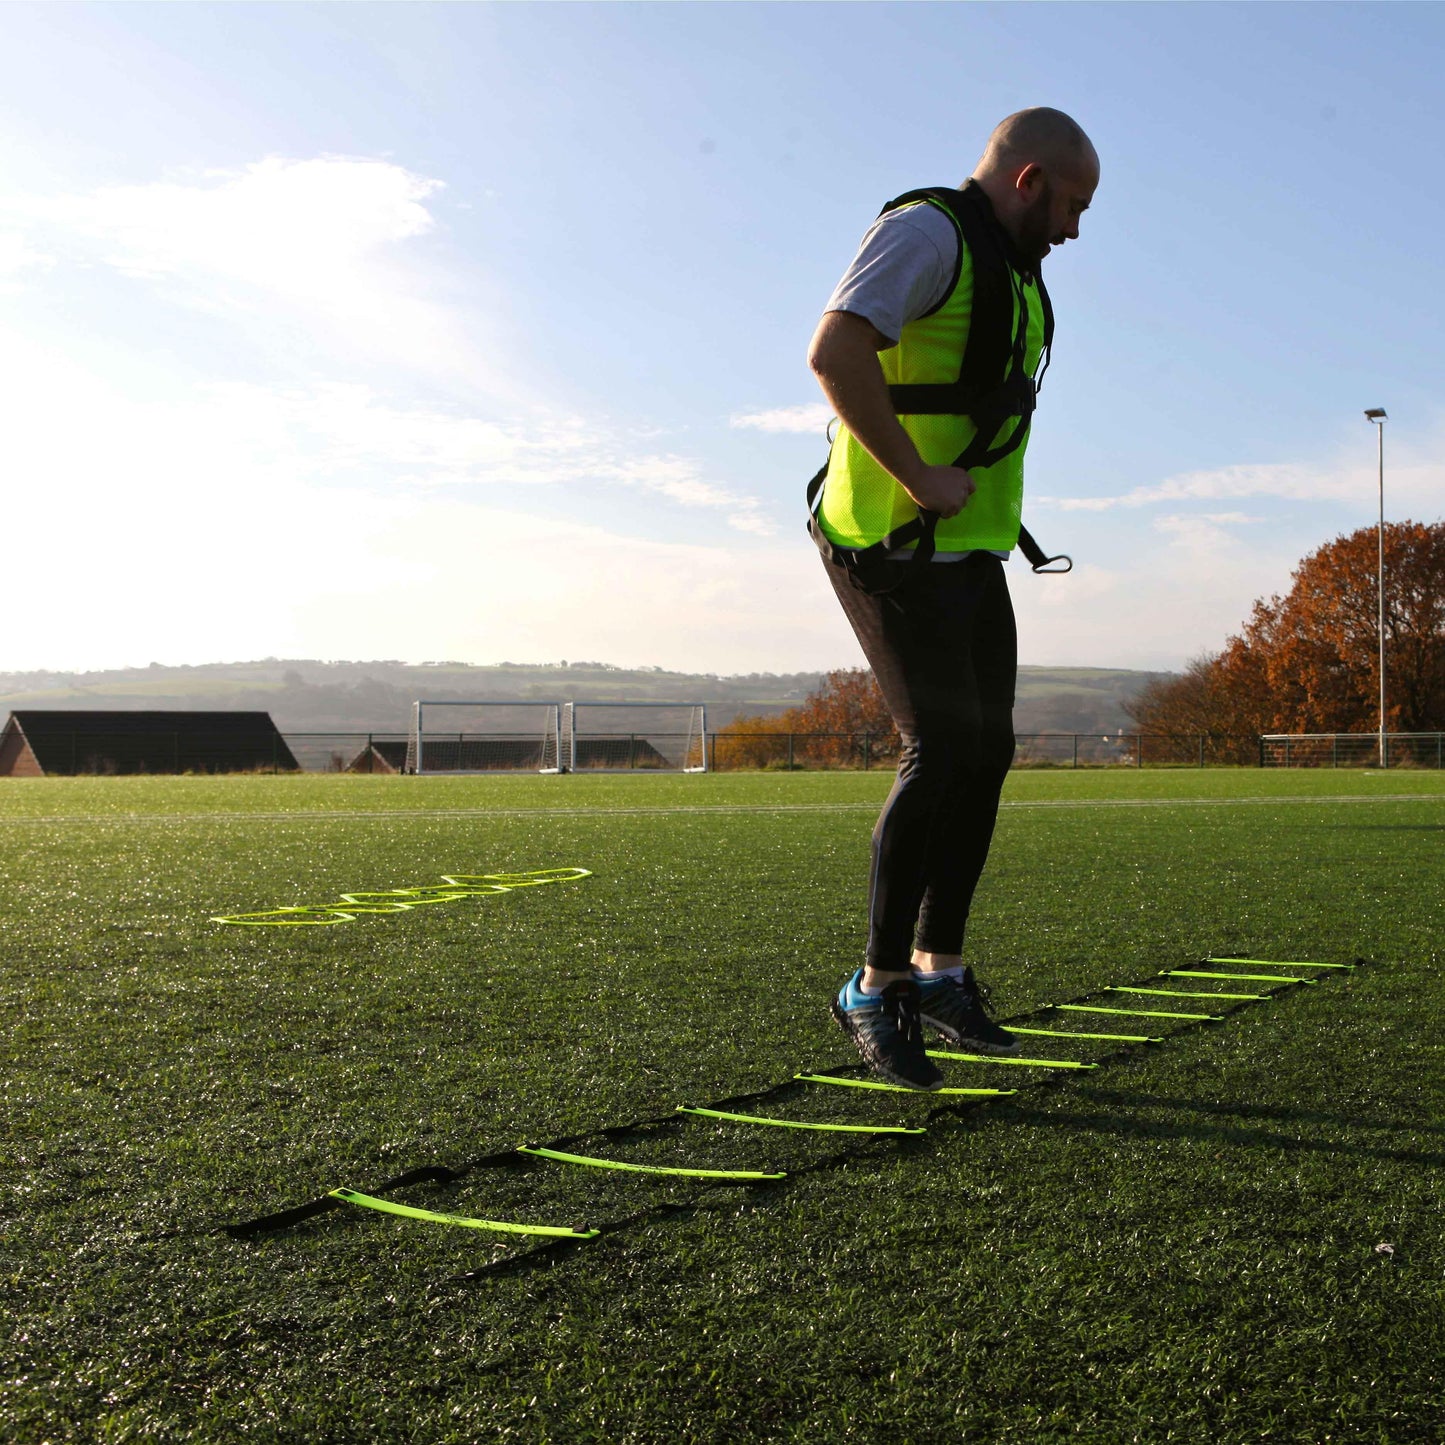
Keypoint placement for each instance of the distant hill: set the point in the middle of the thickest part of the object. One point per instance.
(305, 695)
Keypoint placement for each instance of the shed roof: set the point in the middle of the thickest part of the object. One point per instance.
(143, 741)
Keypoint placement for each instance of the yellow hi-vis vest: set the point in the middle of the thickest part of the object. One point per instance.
(861, 503)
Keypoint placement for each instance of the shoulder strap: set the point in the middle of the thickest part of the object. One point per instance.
(941, 195)
(1048, 309)
(992, 341)
(992, 383)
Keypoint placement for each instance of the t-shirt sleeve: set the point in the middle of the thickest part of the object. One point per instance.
(903, 269)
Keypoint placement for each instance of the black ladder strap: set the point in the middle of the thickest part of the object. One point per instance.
(1036, 558)
(920, 529)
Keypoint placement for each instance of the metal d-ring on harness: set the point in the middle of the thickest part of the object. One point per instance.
(997, 343)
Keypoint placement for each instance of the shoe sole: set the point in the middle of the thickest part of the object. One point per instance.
(873, 1062)
(953, 1036)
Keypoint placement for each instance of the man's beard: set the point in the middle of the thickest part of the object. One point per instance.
(1034, 231)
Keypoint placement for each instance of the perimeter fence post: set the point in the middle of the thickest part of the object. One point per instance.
(1334, 750)
(1076, 750)
(790, 752)
(1201, 750)
(867, 750)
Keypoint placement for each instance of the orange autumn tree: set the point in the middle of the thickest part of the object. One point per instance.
(850, 701)
(848, 705)
(1308, 662)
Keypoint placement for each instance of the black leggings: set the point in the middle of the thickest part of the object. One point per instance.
(944, 649)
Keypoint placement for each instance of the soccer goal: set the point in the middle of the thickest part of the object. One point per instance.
(624, 737)
(485, 737)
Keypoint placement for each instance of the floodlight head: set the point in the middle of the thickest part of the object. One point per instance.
(1376, 414)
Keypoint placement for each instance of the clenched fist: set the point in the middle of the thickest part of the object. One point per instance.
(944, 490)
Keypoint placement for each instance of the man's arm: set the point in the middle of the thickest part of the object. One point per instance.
(844, 357)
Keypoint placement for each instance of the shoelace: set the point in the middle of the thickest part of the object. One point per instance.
(900, 1004)
(982, 994)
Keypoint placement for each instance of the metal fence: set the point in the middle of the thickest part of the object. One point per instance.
(813, 751)
(377, 752)
(1351, 750)
(349, 752)
(734, 751)
(795, 751)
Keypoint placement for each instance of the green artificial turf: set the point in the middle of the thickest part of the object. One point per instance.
(1233, 1236)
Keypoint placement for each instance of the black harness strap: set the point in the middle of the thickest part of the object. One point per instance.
(1037, 560)
(993, 385)
(869, 568)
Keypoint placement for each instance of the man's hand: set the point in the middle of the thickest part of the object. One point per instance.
(844, 358)
(944, 490)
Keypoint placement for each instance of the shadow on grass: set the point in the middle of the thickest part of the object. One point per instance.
(1389, 827)
(1288, 1115)
(1210, 1132)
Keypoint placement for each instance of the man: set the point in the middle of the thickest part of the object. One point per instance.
(929, 353)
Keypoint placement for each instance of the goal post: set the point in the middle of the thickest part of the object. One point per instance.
(452, 737)
(625, 737)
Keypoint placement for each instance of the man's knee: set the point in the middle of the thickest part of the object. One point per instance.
(996, 740)
(977, 739)
(940, 748)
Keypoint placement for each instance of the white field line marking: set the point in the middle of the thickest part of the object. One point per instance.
(382, 815)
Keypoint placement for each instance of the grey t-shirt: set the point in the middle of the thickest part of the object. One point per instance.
(903, 269)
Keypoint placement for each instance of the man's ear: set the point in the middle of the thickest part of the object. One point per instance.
(1029, 179)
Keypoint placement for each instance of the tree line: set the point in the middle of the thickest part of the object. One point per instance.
(842, 723)
(1304, 662)
(1309, 661)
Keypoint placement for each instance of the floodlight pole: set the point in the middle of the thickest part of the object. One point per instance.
(1377, 415)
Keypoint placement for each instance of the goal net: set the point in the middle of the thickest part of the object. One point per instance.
(622, 737)
(485, 737)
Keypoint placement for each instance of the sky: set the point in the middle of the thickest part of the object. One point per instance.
(478, 332)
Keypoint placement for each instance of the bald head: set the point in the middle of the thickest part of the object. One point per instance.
(1041, 135)
(1040, 171)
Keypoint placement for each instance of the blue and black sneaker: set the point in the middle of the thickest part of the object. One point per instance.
(888, 1032)
(959, 1011)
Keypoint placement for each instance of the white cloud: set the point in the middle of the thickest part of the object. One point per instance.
(812, 418)
(578, 589)
(288, 248)
(351, 431)
(350, 435)
(1143, 615)
(1288, 481)
(293, 227)
(17, 255)
(1201, 531)
(175, 539)
(678, 479)
(1167, 601)
(285, 244)
(235, 522)
(1415, 480)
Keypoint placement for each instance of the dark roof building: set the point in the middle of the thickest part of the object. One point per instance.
(63, 743)
(479, 754)
(380, 755)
